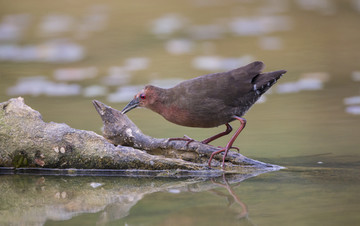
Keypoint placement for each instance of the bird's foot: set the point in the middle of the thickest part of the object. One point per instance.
(215, 153)
(189, 140)
(225, 154)
(236, 148)
(185, 138)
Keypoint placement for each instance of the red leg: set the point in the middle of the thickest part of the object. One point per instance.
(208, 140)
(226, 132)
(214, 153)
(232, 140)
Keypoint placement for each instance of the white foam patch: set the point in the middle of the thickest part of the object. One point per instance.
(270, 43)
(352, 100)
(124, 94)
(179, 46)
(166, 83)
(13, 26)
(167, 24)
(254, 26)
(75, 74)
(117, 76)
(39, 85)
(218, 63)
(136, 63)
(206, 32)
(56, 23)
(355, 75)
(354, 110)
(307, 81)
(95, 90)
(322, 6)
(356, 4)
(59, 51)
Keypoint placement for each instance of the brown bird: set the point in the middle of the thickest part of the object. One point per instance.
(209, 100)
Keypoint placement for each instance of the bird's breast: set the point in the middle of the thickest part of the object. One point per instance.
(177, 115)
(187, 117)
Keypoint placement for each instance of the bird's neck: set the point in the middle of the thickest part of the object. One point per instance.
(166, 105)
(159, 101)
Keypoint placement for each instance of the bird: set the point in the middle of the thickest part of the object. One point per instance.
(209, 100)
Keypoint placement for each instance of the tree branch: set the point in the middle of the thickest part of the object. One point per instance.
(27, 141)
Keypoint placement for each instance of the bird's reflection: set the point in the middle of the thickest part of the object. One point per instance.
(231, 197)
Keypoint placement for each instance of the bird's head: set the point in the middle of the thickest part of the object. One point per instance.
(141, 99)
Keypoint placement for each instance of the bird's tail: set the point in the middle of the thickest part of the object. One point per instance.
(264, 81)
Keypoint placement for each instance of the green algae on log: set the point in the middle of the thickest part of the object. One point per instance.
(27, 141)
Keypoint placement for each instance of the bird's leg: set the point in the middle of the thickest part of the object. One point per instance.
(226, 132)
(229, 145)
(235, 197)
(232, 140)
(208, 140)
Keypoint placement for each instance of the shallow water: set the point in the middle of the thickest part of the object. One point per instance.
(308, 123)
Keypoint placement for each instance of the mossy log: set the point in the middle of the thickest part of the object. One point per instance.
(26, 141)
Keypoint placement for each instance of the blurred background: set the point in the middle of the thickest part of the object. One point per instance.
(60, 55)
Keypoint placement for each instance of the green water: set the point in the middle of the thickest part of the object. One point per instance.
(309, 132)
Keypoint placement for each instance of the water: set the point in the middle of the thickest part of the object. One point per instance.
(296, 196)
(309, 122)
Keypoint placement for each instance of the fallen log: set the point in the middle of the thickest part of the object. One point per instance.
(27, 142)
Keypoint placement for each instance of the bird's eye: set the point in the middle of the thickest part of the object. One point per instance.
(142, 96)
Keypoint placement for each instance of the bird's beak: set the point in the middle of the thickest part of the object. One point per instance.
(133, 104)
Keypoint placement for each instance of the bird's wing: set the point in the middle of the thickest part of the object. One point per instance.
(236, 84)
(224, 88)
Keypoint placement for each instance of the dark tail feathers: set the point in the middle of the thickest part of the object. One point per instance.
(264, 81)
